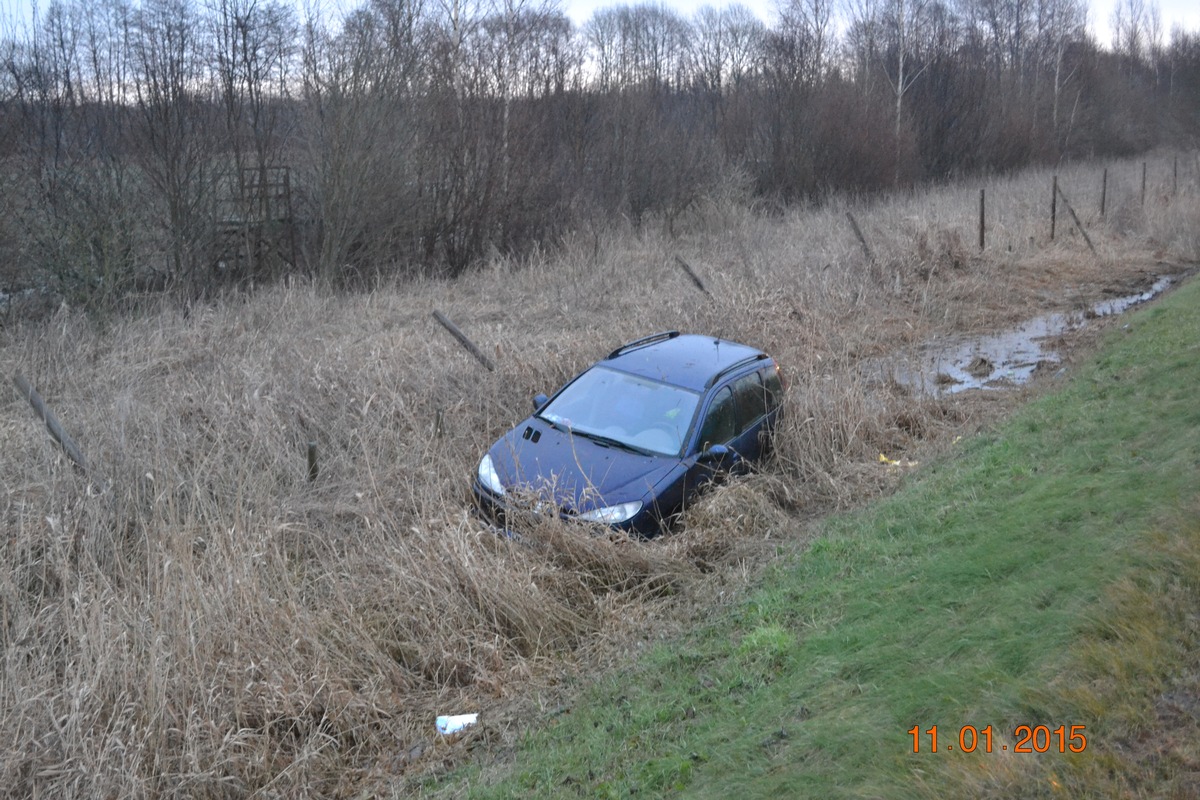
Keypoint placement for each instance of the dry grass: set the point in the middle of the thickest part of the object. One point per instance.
(196, 618)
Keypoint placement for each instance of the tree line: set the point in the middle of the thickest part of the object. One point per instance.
(138, 137)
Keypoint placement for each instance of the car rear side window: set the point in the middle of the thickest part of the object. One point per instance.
(751, 401)
(719, 423)
(774, 388)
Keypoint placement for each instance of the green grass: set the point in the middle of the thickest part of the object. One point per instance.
(1024, 580)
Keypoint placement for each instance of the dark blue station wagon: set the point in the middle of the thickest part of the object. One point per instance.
(632, 439)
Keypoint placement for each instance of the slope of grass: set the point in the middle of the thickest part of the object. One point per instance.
(1024, 581)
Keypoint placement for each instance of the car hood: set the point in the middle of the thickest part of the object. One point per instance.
(577, 474)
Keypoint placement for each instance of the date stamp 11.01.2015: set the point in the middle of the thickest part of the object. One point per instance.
(1028, 739)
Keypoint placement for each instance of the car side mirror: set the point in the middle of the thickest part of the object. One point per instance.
(714, 453)
(539, 400)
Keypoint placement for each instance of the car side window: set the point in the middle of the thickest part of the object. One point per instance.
(750, 400)
(774, 388)
(719, 422)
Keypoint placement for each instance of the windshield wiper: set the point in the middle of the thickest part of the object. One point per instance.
(608, 441)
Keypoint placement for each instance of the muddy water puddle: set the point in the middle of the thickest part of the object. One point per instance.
(1003, 360)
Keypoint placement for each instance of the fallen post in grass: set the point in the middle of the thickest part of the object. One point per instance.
(464, 341)
(691, 274)
(55, 428)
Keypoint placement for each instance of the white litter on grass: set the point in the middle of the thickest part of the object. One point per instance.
(447, 725)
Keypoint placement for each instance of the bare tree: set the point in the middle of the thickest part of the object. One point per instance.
(1183, 60)
(711, 49)
(1131, 22)
(727, 49)
(513, 29)
(1005, 26)
(173, 134)
(906, 19)
(726, 46)
(1155, 41)
(864, 40)
(66, 83)
(252, 43)
(602, 32)
(356, 80)
(810, 24)
(1057, 25)
(744, 35)
(550, 59)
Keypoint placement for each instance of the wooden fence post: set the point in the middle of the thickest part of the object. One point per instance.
(862, 240)
(981, 218)
(55, 428)
(1053, 206)
(1143, 183)
(464, 341)
(1103, 192)
(312, 461)
(1078, 224)
(695, 278)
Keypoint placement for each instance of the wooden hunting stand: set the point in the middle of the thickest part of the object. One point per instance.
(255, 227)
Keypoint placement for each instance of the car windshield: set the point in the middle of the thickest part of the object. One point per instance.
(633, 411)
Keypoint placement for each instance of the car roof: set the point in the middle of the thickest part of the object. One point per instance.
(682, 359)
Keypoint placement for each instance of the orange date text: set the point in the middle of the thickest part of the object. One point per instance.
(1029, 739)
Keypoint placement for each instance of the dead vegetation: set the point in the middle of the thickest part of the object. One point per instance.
(194, 617)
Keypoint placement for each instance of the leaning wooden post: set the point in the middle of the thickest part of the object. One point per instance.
(691, 274)
(1103, 192)
(981, 218)
(52, 424)
(1053, 206)
(312, 461)
(464, 341)
(1143, 183)
(862, 240)
(1078, 224)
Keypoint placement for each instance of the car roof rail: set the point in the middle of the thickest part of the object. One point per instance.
(734, 367)
(661, 336)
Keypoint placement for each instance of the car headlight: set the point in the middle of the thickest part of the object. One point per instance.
(611, 515)
(488, 476)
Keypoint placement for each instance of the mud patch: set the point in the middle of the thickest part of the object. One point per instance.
(1006, 359)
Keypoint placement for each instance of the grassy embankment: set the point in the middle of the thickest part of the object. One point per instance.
(1045, 573)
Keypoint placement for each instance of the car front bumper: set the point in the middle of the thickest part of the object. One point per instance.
(496, 510)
